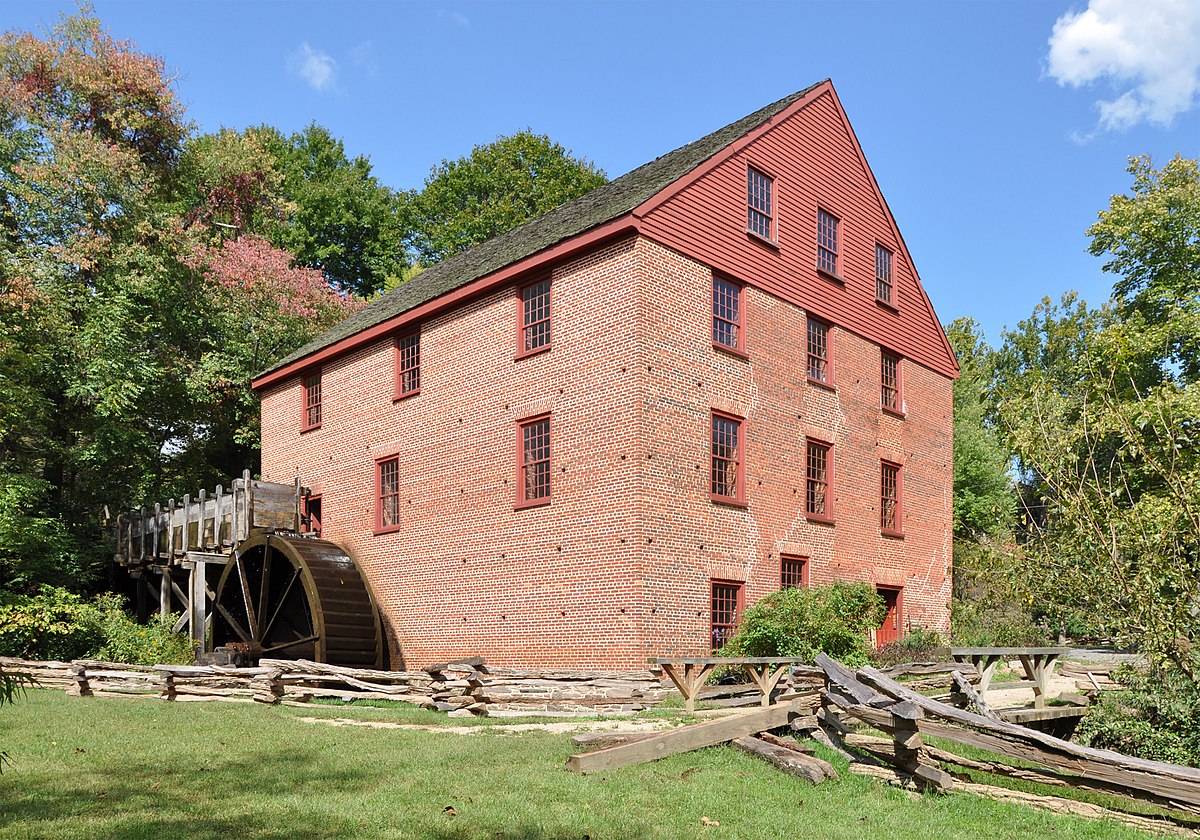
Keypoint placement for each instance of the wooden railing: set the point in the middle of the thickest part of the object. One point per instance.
(213, 523)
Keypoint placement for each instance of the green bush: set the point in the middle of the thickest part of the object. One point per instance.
(1154, 718)
(125, 640)
(992, 624)
(920, 645)
(53, 624)
(57, 624)
(834, 619)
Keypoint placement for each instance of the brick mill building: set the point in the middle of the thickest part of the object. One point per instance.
(598, 437)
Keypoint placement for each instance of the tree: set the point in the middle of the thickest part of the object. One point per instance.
(339, 218)
(1103, 409)
(131, 316)
(983, 494)
(499, 186)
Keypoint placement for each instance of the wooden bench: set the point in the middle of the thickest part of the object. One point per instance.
(1038, 663)
(690, 673)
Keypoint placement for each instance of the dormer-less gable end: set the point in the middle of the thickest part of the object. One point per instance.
(791, 159)
(793, 208)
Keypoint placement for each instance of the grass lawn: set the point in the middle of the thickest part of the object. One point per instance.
(100, 768)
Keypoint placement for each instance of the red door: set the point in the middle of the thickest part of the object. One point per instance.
(889, 631)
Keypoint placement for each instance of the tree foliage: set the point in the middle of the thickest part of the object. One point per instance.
(1102, 407)
(498, 186)
(126, 341)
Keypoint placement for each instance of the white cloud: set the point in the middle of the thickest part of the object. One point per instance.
(366, 58)
(1148, 51)
(314, 66)
(454, 17)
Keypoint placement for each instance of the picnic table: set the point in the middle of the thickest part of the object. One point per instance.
(1038, 663)
(690, 673)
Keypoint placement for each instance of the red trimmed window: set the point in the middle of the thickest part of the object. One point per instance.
(727, 314)
(889, 382)
(793, 572)
(726, 483)
(387, 494)
(535, 317)
(311, 524)
(820, 360)
(883, 273)
(726, 608)
(408, 365)
(760, 206)
(818, 496)
(312, 402)
(827, 242)
(533, 465)
(891, 512)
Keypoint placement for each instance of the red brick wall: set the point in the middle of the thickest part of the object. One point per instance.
(468, 574)
(617, 567)
(692, 540)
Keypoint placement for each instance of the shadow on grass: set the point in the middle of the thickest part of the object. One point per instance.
(211, 797)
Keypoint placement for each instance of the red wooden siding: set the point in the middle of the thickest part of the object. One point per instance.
(816, 162)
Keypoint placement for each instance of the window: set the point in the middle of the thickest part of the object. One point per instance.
(726, 607)
(311, 523)
(883, 274)
(820, 361)
(891, 515)
(760, 214)
(726, 484)
(793, 572)
(535, 318)
(889, 382)
(408, 365)
(727, 314)
(818, 501)
(312, 402)
(387, 494)
(827, 242)
(533, 466)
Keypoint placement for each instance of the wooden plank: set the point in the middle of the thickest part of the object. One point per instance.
(974, 696)
(841, 676)
(1170, 784)
(792, 762)
(687, 738)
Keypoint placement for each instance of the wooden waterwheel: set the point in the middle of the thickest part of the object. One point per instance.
(290, 597)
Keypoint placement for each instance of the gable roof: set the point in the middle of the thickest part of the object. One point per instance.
(604, 204)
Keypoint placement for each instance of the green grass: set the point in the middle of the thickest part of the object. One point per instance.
(100, 768)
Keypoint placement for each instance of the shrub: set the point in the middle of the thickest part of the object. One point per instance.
(993, 624)
(1154, 718)
(834, 619)
(125, 640)
(53, 624)
(920, 645)
(57, 624)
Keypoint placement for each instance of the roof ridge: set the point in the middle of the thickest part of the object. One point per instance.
(605, 203)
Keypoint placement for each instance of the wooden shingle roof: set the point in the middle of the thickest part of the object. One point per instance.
(602, 205)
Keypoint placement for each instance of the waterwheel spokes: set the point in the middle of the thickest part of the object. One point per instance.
(264, 589)
(279, 605)
(233, 622)
(292, 643)
(251, 616)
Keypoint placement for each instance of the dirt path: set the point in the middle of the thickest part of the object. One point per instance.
(505, 728)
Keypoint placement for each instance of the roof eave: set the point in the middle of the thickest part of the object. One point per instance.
(508, 274)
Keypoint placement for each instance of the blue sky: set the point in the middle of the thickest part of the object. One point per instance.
(994, 148)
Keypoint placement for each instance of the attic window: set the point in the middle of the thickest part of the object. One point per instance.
(827, 242)
(311, 387)
(535, 318)
(760, 206)
(408, 365)
(883, 274)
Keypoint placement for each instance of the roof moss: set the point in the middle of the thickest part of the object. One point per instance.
(603, 204)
